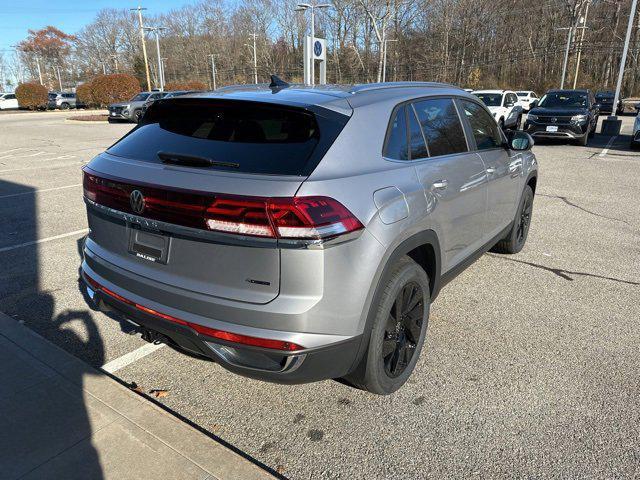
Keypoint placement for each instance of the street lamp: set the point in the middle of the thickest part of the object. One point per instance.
(312, 7)
(156, 31)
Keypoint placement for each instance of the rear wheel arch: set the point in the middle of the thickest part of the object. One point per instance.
(424, 249)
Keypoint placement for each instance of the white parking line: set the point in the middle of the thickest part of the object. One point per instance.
(41, 190)
(605, 150)
(43, 240)
(127, 359)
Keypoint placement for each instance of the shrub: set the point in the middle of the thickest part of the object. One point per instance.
(188, 85)
(84, 93)
(32, 95)
(119, 87)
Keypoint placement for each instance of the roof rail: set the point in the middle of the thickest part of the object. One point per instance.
(363, 87)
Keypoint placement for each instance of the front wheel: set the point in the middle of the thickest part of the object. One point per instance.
(64, 106)
(398, 331)
(517, 236)
(137, 116)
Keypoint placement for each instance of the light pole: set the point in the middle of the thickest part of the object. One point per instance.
(255, 57)
(213, 70)
(39, 71)
(144, 46)
(157, 31)
(59, 77)
(312, 7)
(164, 79)
(623, 60)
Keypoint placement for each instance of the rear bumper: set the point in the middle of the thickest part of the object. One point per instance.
(320, 362)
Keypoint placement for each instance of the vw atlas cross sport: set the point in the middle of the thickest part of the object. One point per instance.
(295, 234)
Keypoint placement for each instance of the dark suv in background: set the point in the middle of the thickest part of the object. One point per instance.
(605, 103)
(567, 114)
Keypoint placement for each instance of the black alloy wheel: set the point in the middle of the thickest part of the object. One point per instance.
(402, 330)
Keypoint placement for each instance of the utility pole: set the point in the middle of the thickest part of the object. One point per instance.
(157, 31)
(164, 78)
(312, 7)
(570, 33)
(584, 24)
(59, 77)
(144, 46)
(213, 70)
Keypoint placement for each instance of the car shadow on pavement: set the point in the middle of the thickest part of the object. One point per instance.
(50, 423)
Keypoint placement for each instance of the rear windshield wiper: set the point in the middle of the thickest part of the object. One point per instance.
(193, 160)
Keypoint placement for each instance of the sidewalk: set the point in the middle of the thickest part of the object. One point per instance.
(62, 419)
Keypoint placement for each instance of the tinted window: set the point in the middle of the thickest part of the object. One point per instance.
(564, 99)
(396, 146)
(242, 136)
(140, 97)
(417, 147)
(490, 99)
(485, 130)
(522, 94)
(11, 96)
(441, 126)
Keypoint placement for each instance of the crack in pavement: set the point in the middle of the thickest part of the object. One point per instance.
(562, 273)
(571, 204)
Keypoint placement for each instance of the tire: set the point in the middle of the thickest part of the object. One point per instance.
(137, 116)
(517, 236)
(395, 345)
(64, 106)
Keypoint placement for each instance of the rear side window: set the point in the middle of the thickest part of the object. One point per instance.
(396, 145)
(441, 126)
(241, 136)
(485, 129)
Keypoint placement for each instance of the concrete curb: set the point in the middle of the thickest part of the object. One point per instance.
(137, 435)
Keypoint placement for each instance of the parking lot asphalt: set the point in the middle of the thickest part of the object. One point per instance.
(530, 367)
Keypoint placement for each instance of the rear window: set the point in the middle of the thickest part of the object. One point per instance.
(239, 136)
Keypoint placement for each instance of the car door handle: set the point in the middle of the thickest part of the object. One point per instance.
(441, 184)
(491, 170)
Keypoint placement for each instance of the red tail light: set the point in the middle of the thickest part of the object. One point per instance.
(209, 332)
(290, 217)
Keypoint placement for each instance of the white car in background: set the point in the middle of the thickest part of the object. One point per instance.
(503, 105)
(8, 100)
(525, 97)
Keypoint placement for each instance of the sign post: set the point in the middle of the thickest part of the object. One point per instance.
(315, 49)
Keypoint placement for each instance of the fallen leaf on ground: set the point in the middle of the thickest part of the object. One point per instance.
(158, 393)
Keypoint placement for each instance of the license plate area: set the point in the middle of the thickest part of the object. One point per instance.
(552, 128)
(153, 247)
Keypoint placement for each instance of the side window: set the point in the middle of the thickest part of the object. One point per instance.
(485, 129)
(441, 126)
(11, 96)
(417, 147)
(396, 145)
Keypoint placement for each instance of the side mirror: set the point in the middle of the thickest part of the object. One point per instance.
(519, 140)
(533, 104)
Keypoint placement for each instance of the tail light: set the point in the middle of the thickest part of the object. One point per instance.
(315, 217)
(207, 331)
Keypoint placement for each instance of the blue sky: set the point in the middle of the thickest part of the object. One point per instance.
(16, 17)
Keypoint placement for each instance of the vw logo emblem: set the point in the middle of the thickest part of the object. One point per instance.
(554, 119)
(136, 199)
(317, 48)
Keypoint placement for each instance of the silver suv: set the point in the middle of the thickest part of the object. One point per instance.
(295, 234)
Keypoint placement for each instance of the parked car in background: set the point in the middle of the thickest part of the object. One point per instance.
(503, 105)
(8, 101)
(525, 97)
(605, 102)
(174, 93)
(568, 114)
(238, 253)
(635, 136)
(61, 100)
(131, 111)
